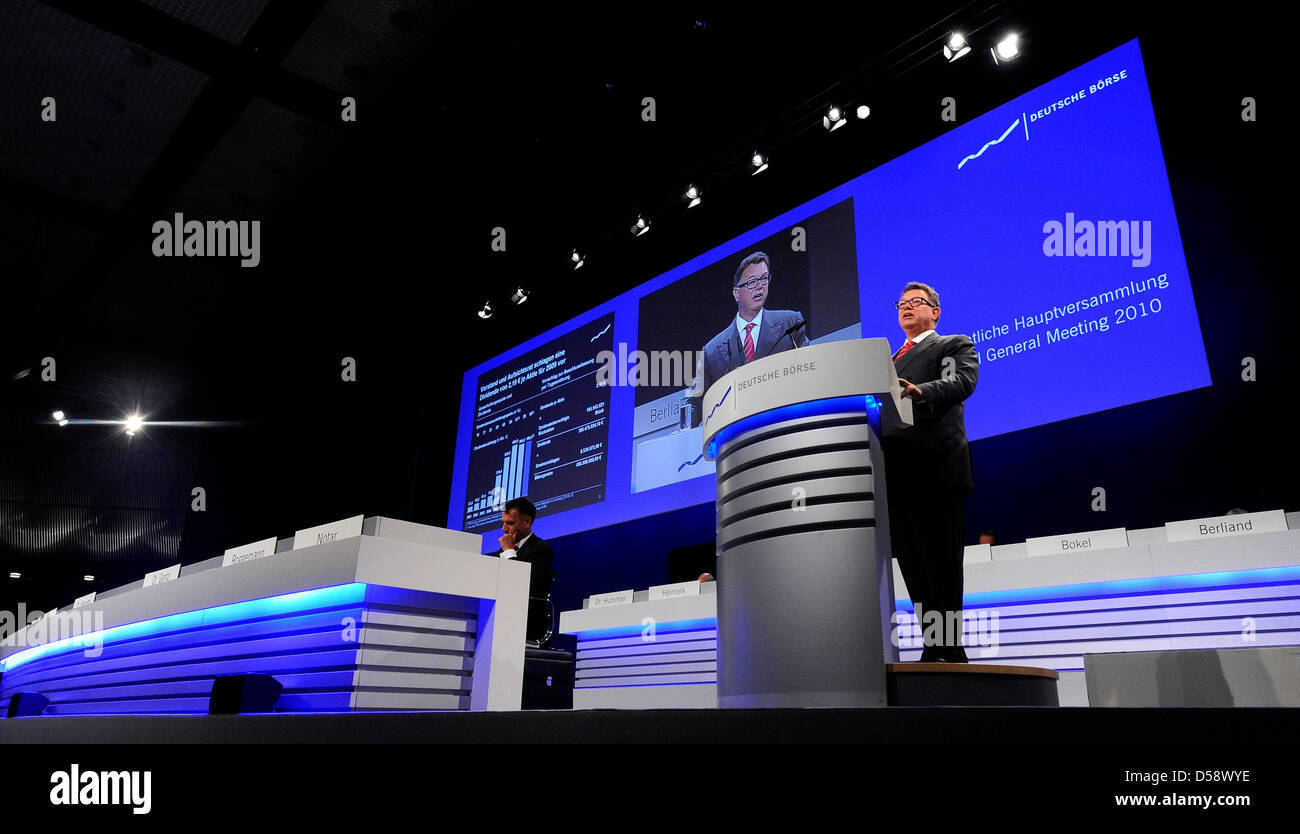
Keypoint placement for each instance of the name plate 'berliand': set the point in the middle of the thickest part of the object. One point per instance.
(1269, 521)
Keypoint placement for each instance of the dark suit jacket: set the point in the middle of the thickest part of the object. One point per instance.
(725, 352)
(541, 556)
(939, 418)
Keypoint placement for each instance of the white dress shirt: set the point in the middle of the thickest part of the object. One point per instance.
(741, 324)
(514, 551)
(917, 339)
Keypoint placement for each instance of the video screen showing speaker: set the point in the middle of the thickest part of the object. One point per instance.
(801, 287)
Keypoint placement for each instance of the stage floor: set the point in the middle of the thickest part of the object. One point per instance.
(893, 725)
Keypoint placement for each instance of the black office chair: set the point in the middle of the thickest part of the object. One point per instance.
(541, 618)
(548, 672)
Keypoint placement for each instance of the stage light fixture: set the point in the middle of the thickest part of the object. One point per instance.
(834, 119)
(693, 196)
(641, 226)
(58, 415)
(88, 578)
(134, 423)
(1008, 49)
(759, 162)
(576, 259)
(63, 422)
(13, 574)
(956, 47)
(520, 295)
(485, 312)
(863, 111)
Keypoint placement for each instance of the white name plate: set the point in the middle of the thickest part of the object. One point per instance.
(977, 553)
(82, 602)
(249, 552)
(158, 577)
(346, 529)
(677, 589)
(1216, 527)
(612, 598)
(1077, 542)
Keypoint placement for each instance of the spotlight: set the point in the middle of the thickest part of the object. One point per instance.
(1008, 49)
(13, 574)
(863, 111)
(956, 47)
(88, 578)
(576, 259)
(485, 312)
(834, 119)
(520, 295)
(58, 415)
(759, 162)
(134, 423)
(693, 195)
(63, 422)
(640, 227)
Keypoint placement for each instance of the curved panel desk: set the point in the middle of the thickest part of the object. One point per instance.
(805, 594)
(364, 623)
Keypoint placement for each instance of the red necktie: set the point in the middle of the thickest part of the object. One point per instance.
(904, 349)
(749, 343)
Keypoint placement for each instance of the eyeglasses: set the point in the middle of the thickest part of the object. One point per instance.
(912, 302)
(754, 283)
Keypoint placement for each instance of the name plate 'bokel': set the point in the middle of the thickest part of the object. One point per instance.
(346, 529)
(1077, 542)
(1269, 521)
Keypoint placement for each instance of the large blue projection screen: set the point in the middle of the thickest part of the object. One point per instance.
(1046, 226)
(1048, 229)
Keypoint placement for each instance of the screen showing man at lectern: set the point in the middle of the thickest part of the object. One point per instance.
(805, 272)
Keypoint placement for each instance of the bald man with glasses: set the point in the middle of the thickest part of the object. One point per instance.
(928, 467)
(754, 333)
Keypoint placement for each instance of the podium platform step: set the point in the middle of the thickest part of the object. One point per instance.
(970, 685)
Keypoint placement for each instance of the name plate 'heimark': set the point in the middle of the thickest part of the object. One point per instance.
(677, 589)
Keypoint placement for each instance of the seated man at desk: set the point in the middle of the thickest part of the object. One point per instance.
(519, 542)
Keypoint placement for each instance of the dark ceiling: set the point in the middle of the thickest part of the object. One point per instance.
(376, 234)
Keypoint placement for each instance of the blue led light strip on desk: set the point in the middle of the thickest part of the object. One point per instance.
(253, 609)
(1128, 587)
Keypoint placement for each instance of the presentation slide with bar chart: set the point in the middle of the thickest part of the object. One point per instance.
(541, 425)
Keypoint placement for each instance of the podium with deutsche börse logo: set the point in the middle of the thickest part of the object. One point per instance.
(805, 583)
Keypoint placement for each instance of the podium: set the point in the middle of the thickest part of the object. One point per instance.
(805, 582)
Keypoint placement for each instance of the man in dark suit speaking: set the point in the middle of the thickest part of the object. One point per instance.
(752, 334)
(520, 543)
(928, 468)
